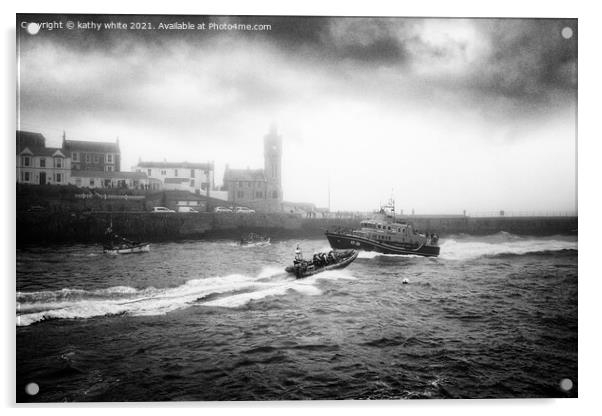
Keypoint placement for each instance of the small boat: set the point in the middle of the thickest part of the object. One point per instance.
(127, 248)
(254, 240)
(116, 244)
(335, 259)
(384, 234)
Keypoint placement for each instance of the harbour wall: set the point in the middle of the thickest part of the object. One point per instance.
(63, 227)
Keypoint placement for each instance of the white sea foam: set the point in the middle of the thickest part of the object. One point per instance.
(464, 247)
(462, 250)
(373, 254)
(77, 303)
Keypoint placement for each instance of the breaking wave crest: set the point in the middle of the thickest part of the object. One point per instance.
(501, 244)
(230, 291)
(373, 254)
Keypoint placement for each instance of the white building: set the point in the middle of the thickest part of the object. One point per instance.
(193, 177)
(38, 164)
(102, 179)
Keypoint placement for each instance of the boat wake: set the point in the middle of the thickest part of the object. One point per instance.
(466, 247)
(374, 254)
(230, 291)
(501, 245)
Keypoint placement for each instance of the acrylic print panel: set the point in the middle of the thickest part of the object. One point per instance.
(216, 208)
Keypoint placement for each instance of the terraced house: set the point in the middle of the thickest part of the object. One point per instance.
(38, 164)
(93, 156)
(183, 176)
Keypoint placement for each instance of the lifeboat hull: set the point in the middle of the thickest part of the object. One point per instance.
(347, 241)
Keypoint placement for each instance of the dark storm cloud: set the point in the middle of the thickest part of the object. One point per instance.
(525, 63)
(529, 58)
(526, 60)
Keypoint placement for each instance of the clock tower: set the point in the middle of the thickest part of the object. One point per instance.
(272, 154)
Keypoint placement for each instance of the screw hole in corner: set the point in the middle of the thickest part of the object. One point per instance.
(32, 389)
(567, 33)
(566, 384)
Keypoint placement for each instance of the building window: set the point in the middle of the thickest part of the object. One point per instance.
(43, 162)
(109, 158)
(240, 184)
(59, 177)
(275, 194)
(96, 159)
(91, 182)
(26, 160)
(175, 171)
(87, 158)
(192, 173)
(74, 156)
(148, 172)
(26, 176)
(78, 182)
(58, 163)
(259, 195)
(192, 183)
(163, 173)
(204, 186)
(240, 194)
(109, 168)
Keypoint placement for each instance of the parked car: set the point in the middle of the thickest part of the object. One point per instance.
(244, 210)
(222, 209)
(186, 209)
(162, 209)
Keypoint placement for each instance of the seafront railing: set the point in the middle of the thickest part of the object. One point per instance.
(504, 213)
(468, 214)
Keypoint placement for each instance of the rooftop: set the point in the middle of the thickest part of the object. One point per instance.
(44, 151)
(175, 165)
(107, 175)
(90, 146)
(32, 141)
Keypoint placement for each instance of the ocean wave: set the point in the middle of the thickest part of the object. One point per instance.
(452, 249)
(499, 237)
(374, 254)
(502, 244)
(230, 291)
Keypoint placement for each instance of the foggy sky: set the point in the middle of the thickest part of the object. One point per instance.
(449, 114)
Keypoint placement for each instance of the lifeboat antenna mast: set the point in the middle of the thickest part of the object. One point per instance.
(393, 202)
(329, 192)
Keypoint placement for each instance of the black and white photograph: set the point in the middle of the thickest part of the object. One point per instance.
(217, 208)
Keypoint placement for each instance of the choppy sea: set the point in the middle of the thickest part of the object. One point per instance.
(491, 317)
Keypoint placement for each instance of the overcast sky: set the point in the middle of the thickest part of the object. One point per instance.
(449, 114)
